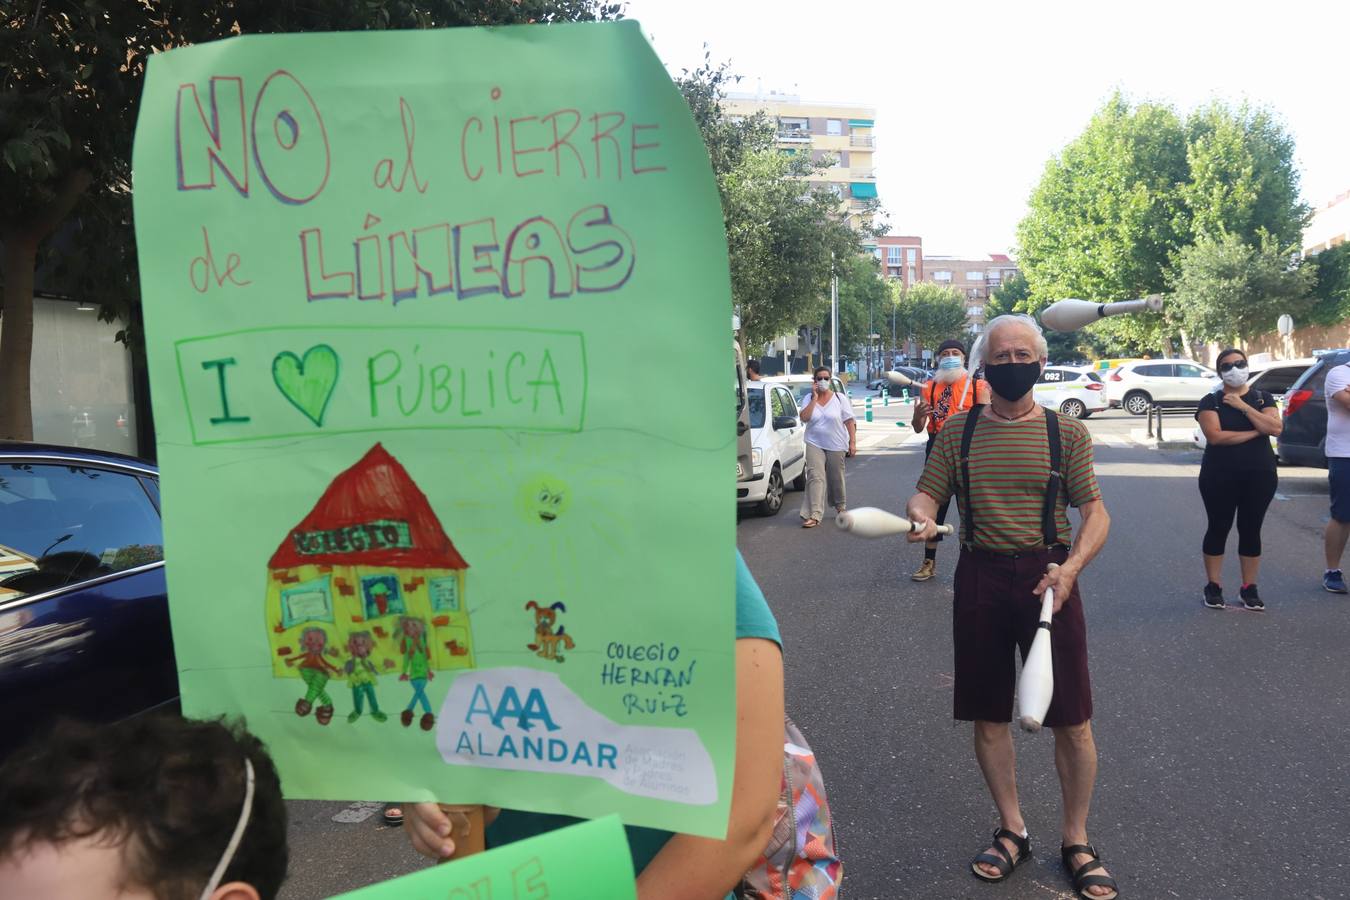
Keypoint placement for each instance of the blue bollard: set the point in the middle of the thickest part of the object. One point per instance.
(869, 409)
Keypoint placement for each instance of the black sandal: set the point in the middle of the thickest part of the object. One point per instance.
(1082, 880)
(1002, 861)
(393, 814)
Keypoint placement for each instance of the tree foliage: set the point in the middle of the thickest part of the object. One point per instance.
(1331, 285)
(932, 313)
(68, 103)
(1115, 209)
(781, 235)
(1226, 288)
(865, 302)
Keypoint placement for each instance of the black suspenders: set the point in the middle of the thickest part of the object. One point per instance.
(1049, 533)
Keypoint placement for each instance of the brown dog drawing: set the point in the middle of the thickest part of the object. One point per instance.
(546, 640)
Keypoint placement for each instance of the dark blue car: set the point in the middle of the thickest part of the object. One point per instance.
(84, 619)
(1303, 442)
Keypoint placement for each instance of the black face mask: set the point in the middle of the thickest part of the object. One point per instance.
(1012, 381)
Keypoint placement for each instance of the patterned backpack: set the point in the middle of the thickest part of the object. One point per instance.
(801, 861)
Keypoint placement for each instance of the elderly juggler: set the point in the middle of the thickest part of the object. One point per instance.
(1015, 468)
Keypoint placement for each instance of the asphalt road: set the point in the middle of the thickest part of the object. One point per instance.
(1224, 736)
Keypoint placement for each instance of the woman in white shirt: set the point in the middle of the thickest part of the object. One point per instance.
(831, 435)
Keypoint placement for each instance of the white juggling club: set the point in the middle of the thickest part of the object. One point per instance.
(1071, 315)
(900, 378)
(870, 522)
(1036, 685)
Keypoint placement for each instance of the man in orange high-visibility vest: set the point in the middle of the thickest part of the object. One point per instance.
(947, 394)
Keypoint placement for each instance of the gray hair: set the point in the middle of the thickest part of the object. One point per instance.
(1024, 321)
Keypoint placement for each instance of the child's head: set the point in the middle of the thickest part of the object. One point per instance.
(360, 643)
(143, 809)
(313, 639)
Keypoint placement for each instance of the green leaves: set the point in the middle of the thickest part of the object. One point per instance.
(1117, 207)
(932, 313)
(780, 233)
(1226, 288)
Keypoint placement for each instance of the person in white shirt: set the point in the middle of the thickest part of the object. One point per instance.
(1338, 474)
(831, 436)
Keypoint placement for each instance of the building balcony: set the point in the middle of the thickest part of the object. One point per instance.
(794, 137)
(862, 141)
(862, 174)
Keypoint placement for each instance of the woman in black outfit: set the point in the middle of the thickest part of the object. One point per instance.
(1237, 475)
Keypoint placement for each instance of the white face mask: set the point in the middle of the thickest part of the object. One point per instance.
(950, 368)
(1235, 377)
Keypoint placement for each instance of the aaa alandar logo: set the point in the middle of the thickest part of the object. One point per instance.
(523, 719)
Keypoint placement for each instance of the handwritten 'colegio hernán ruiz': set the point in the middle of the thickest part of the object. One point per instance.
(285, 145)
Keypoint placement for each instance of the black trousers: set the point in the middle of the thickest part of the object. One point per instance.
(1247, 496)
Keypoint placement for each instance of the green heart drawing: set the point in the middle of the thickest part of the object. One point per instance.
(308, 383)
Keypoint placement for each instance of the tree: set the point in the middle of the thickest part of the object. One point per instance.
(1105, 217)
(932, 313)
(864, 302)
(1114, 210)
(1241, 176)
(1226, 288)
(780, 233)
(68, 104)
(1331, 285)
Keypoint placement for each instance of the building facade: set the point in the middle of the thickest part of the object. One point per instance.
(1329, 227)
(840, 134)
(82, 381)
(975, 277)
(901, 258)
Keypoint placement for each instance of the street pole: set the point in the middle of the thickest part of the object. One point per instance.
(834, 317)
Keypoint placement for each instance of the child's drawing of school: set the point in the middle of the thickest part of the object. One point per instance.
(370, 557)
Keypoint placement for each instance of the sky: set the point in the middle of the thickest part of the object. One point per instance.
(973, 98)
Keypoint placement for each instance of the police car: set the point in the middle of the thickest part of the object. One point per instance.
(1073, 391)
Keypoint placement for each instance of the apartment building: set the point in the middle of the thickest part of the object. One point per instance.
(839, 134)
(1329, 227)
(901, 257)
(975, 278)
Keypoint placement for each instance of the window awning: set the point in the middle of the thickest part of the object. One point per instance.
(864, 190)
(861, 123)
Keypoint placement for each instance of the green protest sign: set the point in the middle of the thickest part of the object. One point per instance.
(589, 861)
(435, 324)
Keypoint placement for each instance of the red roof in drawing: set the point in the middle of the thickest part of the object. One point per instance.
(363, 503)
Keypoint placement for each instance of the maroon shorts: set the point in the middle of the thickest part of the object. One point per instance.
(994, 612)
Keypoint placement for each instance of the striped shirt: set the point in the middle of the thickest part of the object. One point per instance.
(1009, 469)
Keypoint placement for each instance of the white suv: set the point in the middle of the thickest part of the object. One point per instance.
(777, 447)
(1167, 382)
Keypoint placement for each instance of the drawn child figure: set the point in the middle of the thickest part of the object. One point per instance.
(416, 668)
(361, 674)
(316, 671)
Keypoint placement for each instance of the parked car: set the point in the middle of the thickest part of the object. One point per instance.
(1076, 392)
(777, 448)
(1137, 385)
(1276, 377)
(800, 386)
(1303, 440)
(84, 618)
